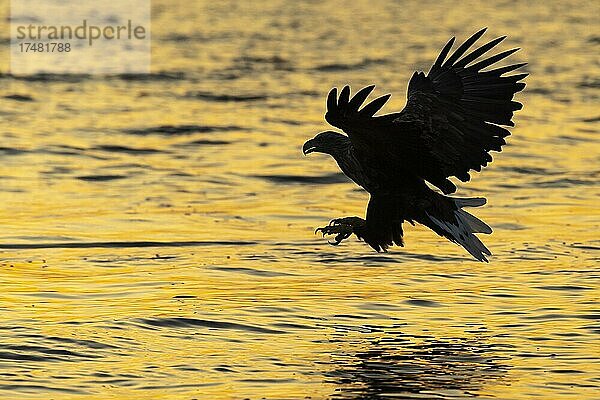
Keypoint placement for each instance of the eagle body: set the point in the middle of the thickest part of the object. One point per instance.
(454, 116)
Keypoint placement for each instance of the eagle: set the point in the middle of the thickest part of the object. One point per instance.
(454, 116)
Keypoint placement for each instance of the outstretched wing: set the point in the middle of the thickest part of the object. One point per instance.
(451, 121)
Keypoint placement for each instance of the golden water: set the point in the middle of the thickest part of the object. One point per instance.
(142, 262)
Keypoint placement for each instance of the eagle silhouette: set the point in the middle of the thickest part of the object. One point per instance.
(454, 116)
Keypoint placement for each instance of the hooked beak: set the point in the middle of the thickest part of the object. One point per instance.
(309, 147)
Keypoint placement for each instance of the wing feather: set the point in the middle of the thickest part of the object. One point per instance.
(332, 99)
(479, 52)
(464, 47)
(440, 58)
(359, 98)
(492, 60)
(344, 98)
(370, 109)
(503, 70)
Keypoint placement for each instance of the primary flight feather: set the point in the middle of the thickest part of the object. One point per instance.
(454, 116)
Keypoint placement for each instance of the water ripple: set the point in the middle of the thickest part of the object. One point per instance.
(181, 322)
(181, 129)
(87, 245)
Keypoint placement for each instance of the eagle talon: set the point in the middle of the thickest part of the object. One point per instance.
(340, 238)
(339, 228)
(322, 229)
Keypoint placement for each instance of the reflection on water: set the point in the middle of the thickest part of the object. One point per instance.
(158, 230)
(397, 367)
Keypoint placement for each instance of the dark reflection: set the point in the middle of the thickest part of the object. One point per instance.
(405, 367)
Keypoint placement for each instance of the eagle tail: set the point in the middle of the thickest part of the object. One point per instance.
(460, 227)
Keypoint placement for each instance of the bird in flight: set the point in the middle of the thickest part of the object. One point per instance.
(454, 116)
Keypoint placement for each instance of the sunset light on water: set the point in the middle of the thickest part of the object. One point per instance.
(158, 229)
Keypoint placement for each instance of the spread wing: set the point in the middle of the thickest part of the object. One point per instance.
(451, 121)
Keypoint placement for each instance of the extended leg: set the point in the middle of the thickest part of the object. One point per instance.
(342, 228)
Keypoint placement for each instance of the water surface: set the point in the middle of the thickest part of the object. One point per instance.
(157, 231)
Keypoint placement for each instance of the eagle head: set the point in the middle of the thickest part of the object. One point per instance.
(328, 142)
